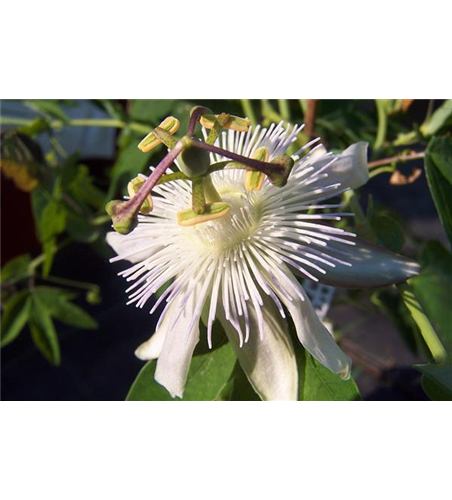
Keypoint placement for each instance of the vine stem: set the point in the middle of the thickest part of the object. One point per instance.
(397, 159)
(382, 124)
(248, 110)
(81, 122)
(284, 109)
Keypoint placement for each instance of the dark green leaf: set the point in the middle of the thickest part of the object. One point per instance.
(389, 232)
(241, 388)
(15, 269)
(151, 110)
(432, 289)
(43, 330)
(439, 118)
(130, 162)
(438, 168)
(208, 375)
(15, 316)
(317, 383)
(47, 107)
(437, 381)
(57, 302)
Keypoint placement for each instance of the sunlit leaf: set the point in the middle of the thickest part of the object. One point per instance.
(16, 269)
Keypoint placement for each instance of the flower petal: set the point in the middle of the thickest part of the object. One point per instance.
(133, 247)
(311, 332)
(369, 266)
(349, 168)
(269, 363)
(152, 348)
(179, 343)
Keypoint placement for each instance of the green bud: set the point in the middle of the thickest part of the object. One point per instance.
(124, 221)
(212, 211)
(194, 162)
(133, 187)
(279, 177)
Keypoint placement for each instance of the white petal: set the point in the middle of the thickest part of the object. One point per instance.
(269, 363)
(371, 266)
(133, 247)
(312, 333)
(152, 348)
(349, 168)
(178, 346)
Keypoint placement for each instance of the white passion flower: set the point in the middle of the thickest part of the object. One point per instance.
(242, 268)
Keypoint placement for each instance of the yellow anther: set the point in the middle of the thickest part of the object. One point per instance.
(234, 122)
(255, 180)
(169, 124)
(133, 187)
(212, 211)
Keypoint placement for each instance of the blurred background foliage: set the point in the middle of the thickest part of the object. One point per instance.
(55, 187)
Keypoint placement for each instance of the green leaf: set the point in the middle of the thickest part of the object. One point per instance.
(241, 388)
(208, 375)
(43, 330)
(15, 316)
(16, 269)
(438, 168)
(130, 162)
(317, 383)
(389, 232)
(151, 110)
(440, 151)
(438, 119)
(428, 333)
(52, 221)
(432, 289)
(47, 107)
(58, 304)
(437, 381)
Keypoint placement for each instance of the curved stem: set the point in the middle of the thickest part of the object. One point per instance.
(284, 109)
(382, 124)
(81, 122)
(248, 110)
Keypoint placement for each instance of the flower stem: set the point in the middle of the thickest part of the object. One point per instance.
(81, 122)
(134, 204)
(260, 166)
(397, 159)
(284, 109)
(382, 124)
(428, 333)
(248, 110)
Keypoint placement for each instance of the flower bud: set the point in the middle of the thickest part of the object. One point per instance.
(279, 177)
(133, 187)
(212, 211)
(169, 125)
(124, 221)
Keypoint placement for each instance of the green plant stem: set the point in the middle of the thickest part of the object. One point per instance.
(303, 105)
(248, 110)
(284, 109)
(432, 340)
(81, 122)
(72, 283)
(268, 112)
(381, 170)
(382, 124)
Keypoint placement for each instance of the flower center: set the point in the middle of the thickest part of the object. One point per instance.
(235, 228)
